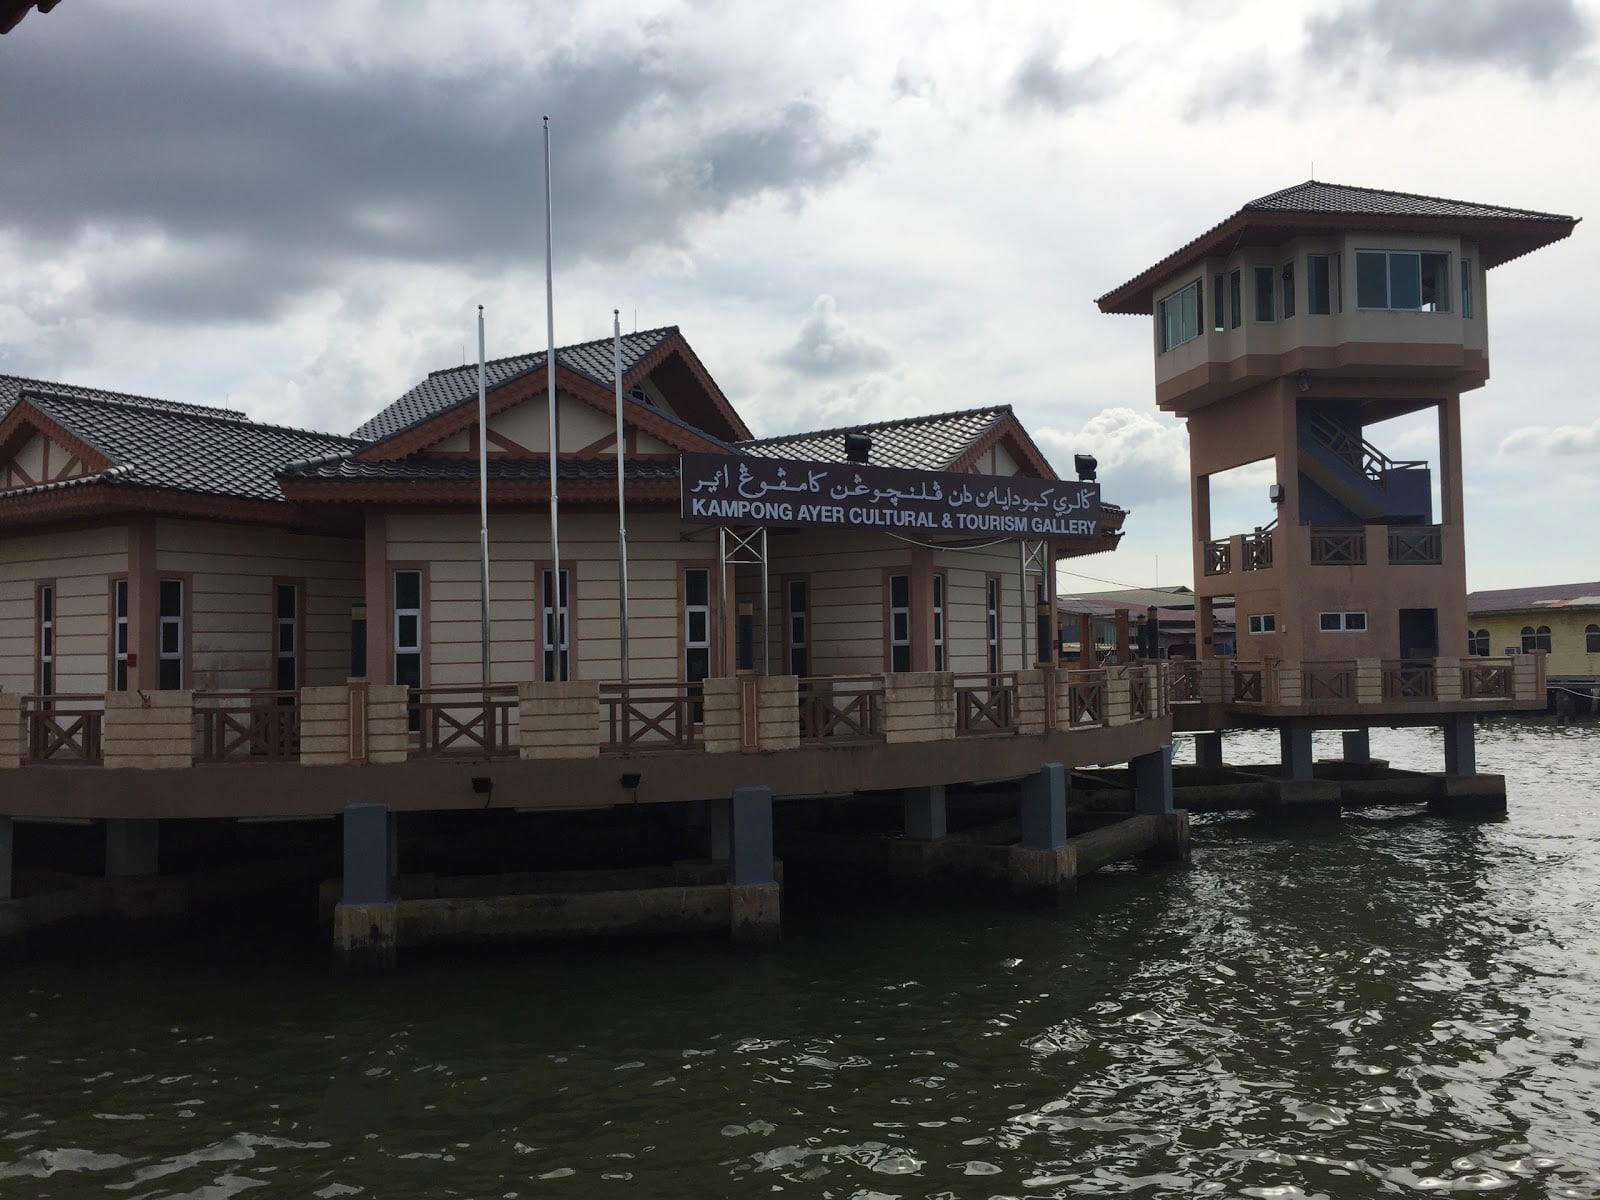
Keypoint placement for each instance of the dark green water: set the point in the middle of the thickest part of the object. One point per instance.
(1382, 1005)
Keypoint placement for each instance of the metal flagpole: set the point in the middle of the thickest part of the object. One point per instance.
(560, 632)
(622, 507)
(483, 502)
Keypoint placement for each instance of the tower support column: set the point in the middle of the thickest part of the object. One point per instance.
(365, 921)
(1208, 749)
(1460, 749)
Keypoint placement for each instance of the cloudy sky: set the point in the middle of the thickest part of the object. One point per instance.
(854, 211)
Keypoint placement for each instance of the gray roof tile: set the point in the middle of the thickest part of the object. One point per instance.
(415, 469)
(1529, 599)
(1314, 196)
(445, 389)
(928, 443)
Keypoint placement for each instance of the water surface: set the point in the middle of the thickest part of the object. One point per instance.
(1384, 1005)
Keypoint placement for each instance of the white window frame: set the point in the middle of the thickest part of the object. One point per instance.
(289, 625)
(398, 647)
(1443, 306)
(899, 618)
(1342, 621)
(940, 663)
(690, 642)
(991, 600)
(1173, 343)
(797, 629)
(1269, 293)
(1466, 289)
(175, 623)
(1263, 623)
(555, 627)
(1332, 272)
(46, 614)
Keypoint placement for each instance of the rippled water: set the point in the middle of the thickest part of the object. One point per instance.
(1386, 1004)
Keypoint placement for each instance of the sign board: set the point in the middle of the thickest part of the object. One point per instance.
(730, 489)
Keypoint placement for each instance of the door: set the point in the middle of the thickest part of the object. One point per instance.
(1419, 633)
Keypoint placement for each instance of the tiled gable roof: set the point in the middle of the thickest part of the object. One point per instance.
(445, 389)
(449, 470)
(163, 444)
(1313, 196)
(12, 386)
(928, 443)
(1531, 599)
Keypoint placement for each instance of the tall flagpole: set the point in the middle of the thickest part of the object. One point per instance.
(622, 507)
(483, 502)
(559, 632)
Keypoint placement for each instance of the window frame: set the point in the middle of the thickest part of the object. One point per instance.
(1533, 637)
(1219, 303)
(937, 623)
(179, 623)
(1235, 298)
(46, 599)
(1342, 622)
(1163, 326)
(563, 618)
(686, 641)
(1591, 639)
(994, 627)
(117, 649)
(1265, 296)
(896, 616)
(294, 624)
(1466, 289)
(797, 618)
(1478, 643)
(1286, 304)
(1262, 623)
(419, 646)
(1329, 279)
(1441, 305)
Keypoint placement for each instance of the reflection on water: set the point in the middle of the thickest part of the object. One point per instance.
(1386, 1004)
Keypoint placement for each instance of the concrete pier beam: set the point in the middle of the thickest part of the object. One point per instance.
(1460, 746)
(1152, 782)
(1357, 746)
(8, 846)
(755, 915)
(925, 813)
(133, 847)
(1294, 744)
(1208, 749)
(365, 922)
(1044, 808)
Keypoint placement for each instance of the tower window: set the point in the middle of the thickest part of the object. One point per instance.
(1235, 300)
(1319, 284)
(1179, 316)
(1264, 290)
(1403, 279)
(1286, 276)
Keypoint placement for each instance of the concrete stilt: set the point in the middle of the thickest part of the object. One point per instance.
(752, 872)
(1208, 750)
(1044, 808)
(1460, 749)
(1357, 746)
(365, 922)
(718, 834)
(1152, 782)
(1294, 741)
(7, 851)
(925, 813)
(132, 847)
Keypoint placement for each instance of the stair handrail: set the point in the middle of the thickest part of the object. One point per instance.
(1360, 454)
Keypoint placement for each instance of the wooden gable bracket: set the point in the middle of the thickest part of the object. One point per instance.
(23, 422)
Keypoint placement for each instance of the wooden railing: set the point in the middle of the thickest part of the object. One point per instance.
(838, 708)
(1258, 548)
(1421, 545)
(1487, 679)
(1219, 556)
(1409, 679)
(1139, 693)
(1355, 451)
(986, 703)
(1334, 545)
(1247, 684)
(1086, 698)
(63, 728)
(465, 721)
(246, 726)
(1327, 681)
(1185, 676)
(642, 717)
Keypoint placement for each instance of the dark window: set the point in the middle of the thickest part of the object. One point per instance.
(1042, 623)
(287, 620)
(170, 642)
(408, 634)
(1319, 284)
(1179, 316)
(1435, 283)
(1264, 289)
(992, 623)
(1403, 279)
(1535, 639)
(1466, 287)
(1286, 278)
(938, 624)
(1219, 292)
(1235, 300)
(1591, 639)
(556, 626)
(899, 622)
(799, 627)
(1478, 643)
(119, 636)
(696, 624)
(47, 639)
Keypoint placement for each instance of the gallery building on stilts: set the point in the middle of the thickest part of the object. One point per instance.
(229, 648)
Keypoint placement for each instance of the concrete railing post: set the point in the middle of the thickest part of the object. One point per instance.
(1119, 698)
(388, 730)
(723, 724)
(1031, 715)
(778, 712)
(148, 730)
(1447, 680)
(558, 719)
(919, 706)
(1357, 746)
(325, 725)
(10, 730)
(1286, 683)
(1152, 782)
(1369, 681)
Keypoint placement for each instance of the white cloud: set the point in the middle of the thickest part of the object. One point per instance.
(827, 347)
(1141, 455)
(1560, 439)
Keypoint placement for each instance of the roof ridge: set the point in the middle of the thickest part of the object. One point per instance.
(199, 412)
(1360, 187)
(600, 341)
(114, 397)
(811, 433)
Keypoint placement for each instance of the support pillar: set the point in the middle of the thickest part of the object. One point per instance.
(132, 847)
(1357, 746)
(1460, 750)
(718, 833)
(753, 895)
(1294, 742)
(1208, 749)
(1152, 782)
(365, 922)
(7, 853)
(1044, 808)
(1086, 645)
(925, 813)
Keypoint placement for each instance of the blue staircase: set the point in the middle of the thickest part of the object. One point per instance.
(1353, 481)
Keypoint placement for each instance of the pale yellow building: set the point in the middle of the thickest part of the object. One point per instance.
(1562, 620)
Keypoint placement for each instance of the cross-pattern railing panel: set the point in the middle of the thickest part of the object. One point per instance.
(1247, 684)
(1258, 548)
(1086, 698)
(1219, 557)
(1139, 693)
(1487, 680)
(986, 703)
(1409, 679)
(1336, 545)
(1416, 545)
(465, 721)
(841, 708)
(1185, 681)
(640, 717)
(63, 728)
(246, 726)
(1327, 681)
